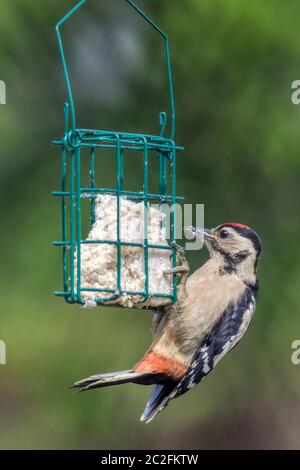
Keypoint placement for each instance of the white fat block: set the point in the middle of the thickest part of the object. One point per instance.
(99, 261)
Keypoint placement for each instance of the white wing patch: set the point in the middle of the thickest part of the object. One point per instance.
(234, 339)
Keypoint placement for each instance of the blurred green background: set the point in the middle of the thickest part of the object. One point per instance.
(233, 65)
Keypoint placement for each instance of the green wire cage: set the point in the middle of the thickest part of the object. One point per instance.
(78, 144)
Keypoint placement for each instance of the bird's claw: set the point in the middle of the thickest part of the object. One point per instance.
(180, 250)
(177, 270)
(183, 267)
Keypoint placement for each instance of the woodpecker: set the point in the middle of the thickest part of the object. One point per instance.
(213, 310)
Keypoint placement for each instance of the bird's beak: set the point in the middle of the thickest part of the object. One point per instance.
(204, 232)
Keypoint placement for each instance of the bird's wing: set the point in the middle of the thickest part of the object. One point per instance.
(226, 334)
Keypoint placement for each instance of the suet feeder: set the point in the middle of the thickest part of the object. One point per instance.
(78, 144)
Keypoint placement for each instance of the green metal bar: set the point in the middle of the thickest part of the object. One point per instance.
(146, 207)
(114, 242)
(78, 234)
(153, 147)
(66, 116)
(72, 227)
(92, 183)
(63, 201)
(162, 173)
(139, 146)
(64, 215)
(62, 294)
(119, 188)
(173, 217)
(89, 192)
(88, 134)
(128, 193)
(171, 89)
(121, 170)
(92, 137)
(128, 292)
(64, 62)
(163, 184)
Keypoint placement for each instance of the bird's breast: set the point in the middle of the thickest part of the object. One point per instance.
(207, 298)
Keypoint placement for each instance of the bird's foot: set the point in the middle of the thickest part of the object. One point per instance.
(177, 270)
(179, 249)
(183, 265)
(182, 269)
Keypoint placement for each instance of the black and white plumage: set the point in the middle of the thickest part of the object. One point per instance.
(213, 311)
(224, 336)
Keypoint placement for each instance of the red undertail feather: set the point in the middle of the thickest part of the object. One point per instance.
(158, 364)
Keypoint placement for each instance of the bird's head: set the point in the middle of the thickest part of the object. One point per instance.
(236, 246)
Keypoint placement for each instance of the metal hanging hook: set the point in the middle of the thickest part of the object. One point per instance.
(168, 59)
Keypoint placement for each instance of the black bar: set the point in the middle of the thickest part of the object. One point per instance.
(136, 458)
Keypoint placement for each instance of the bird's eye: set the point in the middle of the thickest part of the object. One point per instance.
(224, 233)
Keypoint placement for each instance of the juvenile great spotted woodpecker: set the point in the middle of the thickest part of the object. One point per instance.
(212, 313)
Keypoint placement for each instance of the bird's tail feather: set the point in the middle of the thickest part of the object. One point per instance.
(159, 399)
(114, 378)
